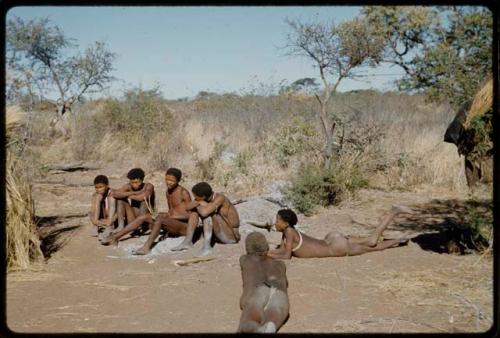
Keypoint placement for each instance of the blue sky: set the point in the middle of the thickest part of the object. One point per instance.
(185, 50)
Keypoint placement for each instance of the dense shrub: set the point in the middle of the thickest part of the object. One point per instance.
(295, 137)
(313, 186)
(141, 114)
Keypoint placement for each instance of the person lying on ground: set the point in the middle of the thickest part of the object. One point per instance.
(264, 301)
(134, 203)
(175, 221)
(297, 244)
(103, 206)
(218, 215)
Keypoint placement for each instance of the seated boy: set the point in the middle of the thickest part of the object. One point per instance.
(142, 198)
(103, 206)
(175, 221)
(264, 302)
(297, 244)
(219, 217)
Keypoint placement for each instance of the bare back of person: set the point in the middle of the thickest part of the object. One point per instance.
(264, 301)
(226, 221)
(335, 244)
(297, 244)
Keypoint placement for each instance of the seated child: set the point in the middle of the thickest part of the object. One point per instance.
(297, 244)
(134, 201)
(264, 301)
(218, 214)
(175, 221)
(103, 206)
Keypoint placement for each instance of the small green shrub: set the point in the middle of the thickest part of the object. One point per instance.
(242, 162)
(207, 168)
(294, 137)
(313, 186)
(480, 224)
(139, 115)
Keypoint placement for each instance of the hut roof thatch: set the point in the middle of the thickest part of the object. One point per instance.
(481, 102)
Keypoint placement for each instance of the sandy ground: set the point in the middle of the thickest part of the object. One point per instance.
(87, 287)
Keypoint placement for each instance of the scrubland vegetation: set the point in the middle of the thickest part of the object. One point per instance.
(385, 140)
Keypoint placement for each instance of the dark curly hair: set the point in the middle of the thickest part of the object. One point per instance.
(256, 243)
(136, 173)
(174, 172)
(288, 216)
(101, 179)
(202, 189)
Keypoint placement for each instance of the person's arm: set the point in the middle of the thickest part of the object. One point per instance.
(192, 205)
(120, 193)
(280, 248)
(285, 249)
(145, 192)
(208, 208)
(112, 215)
(94, 208)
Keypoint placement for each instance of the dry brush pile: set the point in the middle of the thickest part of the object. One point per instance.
(23, 243)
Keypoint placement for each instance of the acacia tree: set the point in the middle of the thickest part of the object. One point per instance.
(37, 53)
(337, 51)
(445, 52)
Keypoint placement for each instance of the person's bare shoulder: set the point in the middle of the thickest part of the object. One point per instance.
(185, 192)
(243, 260)
(289, 233)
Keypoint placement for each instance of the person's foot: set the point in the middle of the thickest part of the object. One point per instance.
(398, 209)
(94, 232)
(401, 242)
(110, 240)
(182, 246)
(141, 251)
(268, 327)
(206, 250)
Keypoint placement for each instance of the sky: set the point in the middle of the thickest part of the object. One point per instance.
(185, 50)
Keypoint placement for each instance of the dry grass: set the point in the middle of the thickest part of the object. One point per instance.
(411, 151)
(23, 244)
(457, 289)
(481, 103)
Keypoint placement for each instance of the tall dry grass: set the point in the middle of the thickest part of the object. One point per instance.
(23, 243)
(397, 138)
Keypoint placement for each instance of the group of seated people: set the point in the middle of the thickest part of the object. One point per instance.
(264, 301)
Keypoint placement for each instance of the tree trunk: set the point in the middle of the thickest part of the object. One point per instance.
(328, 153)
(328, 133)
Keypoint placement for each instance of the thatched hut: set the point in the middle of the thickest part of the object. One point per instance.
(472, 132)
(23, 243)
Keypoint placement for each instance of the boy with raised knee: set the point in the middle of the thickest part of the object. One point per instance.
(135, 201)
(103, 206)
(175, 221)
(219, 217)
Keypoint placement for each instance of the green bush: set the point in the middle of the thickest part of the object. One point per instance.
(480, 224)
(242, 162)
(314, 186)
(207, 168)
(139, 115)
(295, 137)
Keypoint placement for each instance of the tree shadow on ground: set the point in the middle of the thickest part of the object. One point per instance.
(449, 226)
